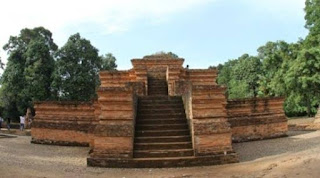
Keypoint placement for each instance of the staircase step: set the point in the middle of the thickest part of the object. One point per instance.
(160, 98)
(158, 92)
(185, 138)
(160, 107)
(157, 81)
(162, 121)
(161, 111)
(140, 127)
(158, 86)
(161, 116)
(163, 98)
(162, 153)
(160, 102)
(157, 89)
(150, 133)
(163, 162)
(168, 109)
(159, 146)
(164, 93)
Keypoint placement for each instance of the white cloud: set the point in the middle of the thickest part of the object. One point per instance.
(61, 16)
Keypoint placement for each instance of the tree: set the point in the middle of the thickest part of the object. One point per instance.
(248, 70)
(173, 55)
(283, 69)
(162, 53)
(108, 62)
(303, 77)
(27, 76)
(225, 70)
(241, 76)
(76, 71)
(312, 10)
(276, 58)
(1, 64)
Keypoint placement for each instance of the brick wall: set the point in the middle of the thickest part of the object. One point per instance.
(253, 119)
(211, 130)
(114, 134)
(116, 78)
(200, 76)
(63, 123)
(173, 68)
(206, 113)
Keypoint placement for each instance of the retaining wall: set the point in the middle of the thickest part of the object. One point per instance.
(63, 123)
(257, 118)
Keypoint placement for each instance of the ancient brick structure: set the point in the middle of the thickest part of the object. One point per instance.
(63, 123)
(254, 119)
(158, 114)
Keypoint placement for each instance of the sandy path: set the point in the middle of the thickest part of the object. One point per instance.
(294, 156)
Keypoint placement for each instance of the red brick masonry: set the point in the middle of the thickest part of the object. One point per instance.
(108, 124)
(255, 119)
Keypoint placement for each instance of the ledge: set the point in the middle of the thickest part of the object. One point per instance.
(59, 143)
(164, 162)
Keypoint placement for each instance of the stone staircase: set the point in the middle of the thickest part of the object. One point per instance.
(161, 126)
(162, 135)
(157, 86)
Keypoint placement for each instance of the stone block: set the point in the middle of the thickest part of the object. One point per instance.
(114, 129)
(212, 144)
(112, 147)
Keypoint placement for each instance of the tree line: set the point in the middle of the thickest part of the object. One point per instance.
(37, 70)
(291, 70)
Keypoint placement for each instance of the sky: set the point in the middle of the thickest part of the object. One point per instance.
(203, 32)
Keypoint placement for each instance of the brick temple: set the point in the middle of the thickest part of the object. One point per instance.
(159, 114)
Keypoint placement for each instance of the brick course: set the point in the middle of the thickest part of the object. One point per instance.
(107, 125)
(255, 119)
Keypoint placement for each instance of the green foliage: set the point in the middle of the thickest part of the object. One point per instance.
(27, 76)
(32, 74)
(303, 77)
(173, 55)
(238, 89)
(162, 53)
(312, 17)
(108, 62)
(241, 76)
(76, 70)
(276, 58)
(1, 64)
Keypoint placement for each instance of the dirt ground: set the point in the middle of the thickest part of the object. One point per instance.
(300, 120)
(295, 156)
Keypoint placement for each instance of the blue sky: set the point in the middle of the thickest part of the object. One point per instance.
(204, 32)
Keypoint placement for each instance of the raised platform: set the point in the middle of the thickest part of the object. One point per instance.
(229, 157)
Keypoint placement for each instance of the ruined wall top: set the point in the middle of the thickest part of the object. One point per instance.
(154, 61)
